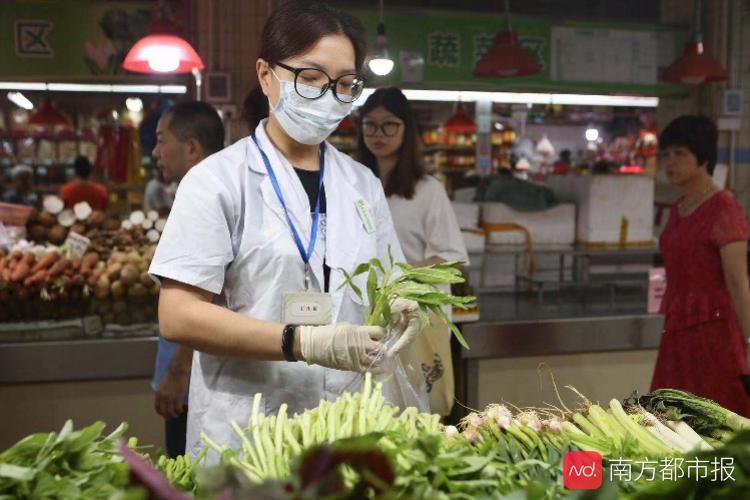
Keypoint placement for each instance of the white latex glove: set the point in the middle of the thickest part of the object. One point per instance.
(406, 314)
(341, 346)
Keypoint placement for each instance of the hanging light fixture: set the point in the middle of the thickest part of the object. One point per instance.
(695, 66)
(48, 116)
(157, 53)
(507, 57)
(380, 61)
(164, 52)
(460, 122)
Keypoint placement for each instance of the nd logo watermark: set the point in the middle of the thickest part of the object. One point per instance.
(582, 470)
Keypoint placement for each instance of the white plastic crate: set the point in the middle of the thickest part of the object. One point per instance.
(554, 226)
(612, 209)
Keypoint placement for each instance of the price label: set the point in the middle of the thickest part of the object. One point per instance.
(77, 245)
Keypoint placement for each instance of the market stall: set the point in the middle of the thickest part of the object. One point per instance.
(361, 446)
(561, 275)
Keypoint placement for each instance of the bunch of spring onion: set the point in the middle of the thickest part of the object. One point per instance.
(525, 434)
(402, 280)
(270, 443)
(622, 432)
(715, 423)
(523, 448)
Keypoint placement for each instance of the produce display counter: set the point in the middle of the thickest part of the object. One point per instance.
(521, 344)
(82, 359)
(79, 369)
(547, 341)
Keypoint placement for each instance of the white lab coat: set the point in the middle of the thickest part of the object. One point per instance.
(227, 234)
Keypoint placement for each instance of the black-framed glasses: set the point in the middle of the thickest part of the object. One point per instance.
(388, 129)
(312, 83)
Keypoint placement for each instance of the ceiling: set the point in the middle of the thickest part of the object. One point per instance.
(646, 11)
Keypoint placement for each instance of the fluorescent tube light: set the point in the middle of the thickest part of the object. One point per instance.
(96, 87)
(20, 100)
(522, 98)
(22, 86)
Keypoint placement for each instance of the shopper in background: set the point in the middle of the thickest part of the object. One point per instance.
(82, 189)
(241, 240)
(563, 164)
(22, 190)
(158, 195)
(186, 134)
(389, 144)
(707, 302)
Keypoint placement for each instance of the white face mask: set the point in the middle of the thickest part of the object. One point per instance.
(307, 121)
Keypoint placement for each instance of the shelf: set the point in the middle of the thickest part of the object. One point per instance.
(456, 170)
(434, 148)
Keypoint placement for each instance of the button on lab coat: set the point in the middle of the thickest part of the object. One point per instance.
(227, 234)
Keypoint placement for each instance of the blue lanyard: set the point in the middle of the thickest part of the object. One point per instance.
(316, 214)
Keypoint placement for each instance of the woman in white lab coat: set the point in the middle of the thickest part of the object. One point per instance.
(258, 231)
(426, 225)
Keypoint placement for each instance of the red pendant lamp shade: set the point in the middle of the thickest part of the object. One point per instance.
(460, 122)
(695, 67)
(161, 53)
(507, 58)
(48, 116)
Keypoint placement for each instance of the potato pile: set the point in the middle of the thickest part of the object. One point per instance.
(125, 275)
(124, 293)
(40, 281)
(49, 285)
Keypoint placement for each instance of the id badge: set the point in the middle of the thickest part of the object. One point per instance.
(307, 308)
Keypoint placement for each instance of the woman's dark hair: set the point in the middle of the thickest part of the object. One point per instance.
(254, 108)
(297, 25)
(409, 168)
(695, 132)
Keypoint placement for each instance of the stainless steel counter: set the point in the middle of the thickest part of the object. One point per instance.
(507, 339)
(562, 336)
(70, 360)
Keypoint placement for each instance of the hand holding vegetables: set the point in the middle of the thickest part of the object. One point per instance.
(386, 288)
(406, 313)
(341, 346)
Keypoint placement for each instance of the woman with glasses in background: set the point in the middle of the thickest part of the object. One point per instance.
(250, 255)
(389, 144)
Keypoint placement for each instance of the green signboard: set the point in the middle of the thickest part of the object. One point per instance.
(622, 58)
(69, 38)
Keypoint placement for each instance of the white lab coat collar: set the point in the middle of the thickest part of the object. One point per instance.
(341, 196)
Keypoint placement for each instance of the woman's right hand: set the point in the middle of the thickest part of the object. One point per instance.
(341, 346)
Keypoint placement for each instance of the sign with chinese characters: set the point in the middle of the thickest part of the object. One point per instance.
(451, 43)
(76, 245)
(82, 38)
(717, 469)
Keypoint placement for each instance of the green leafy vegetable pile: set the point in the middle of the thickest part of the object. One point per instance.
(68, 464)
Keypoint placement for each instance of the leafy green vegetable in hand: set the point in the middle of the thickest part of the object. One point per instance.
(402, 280)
